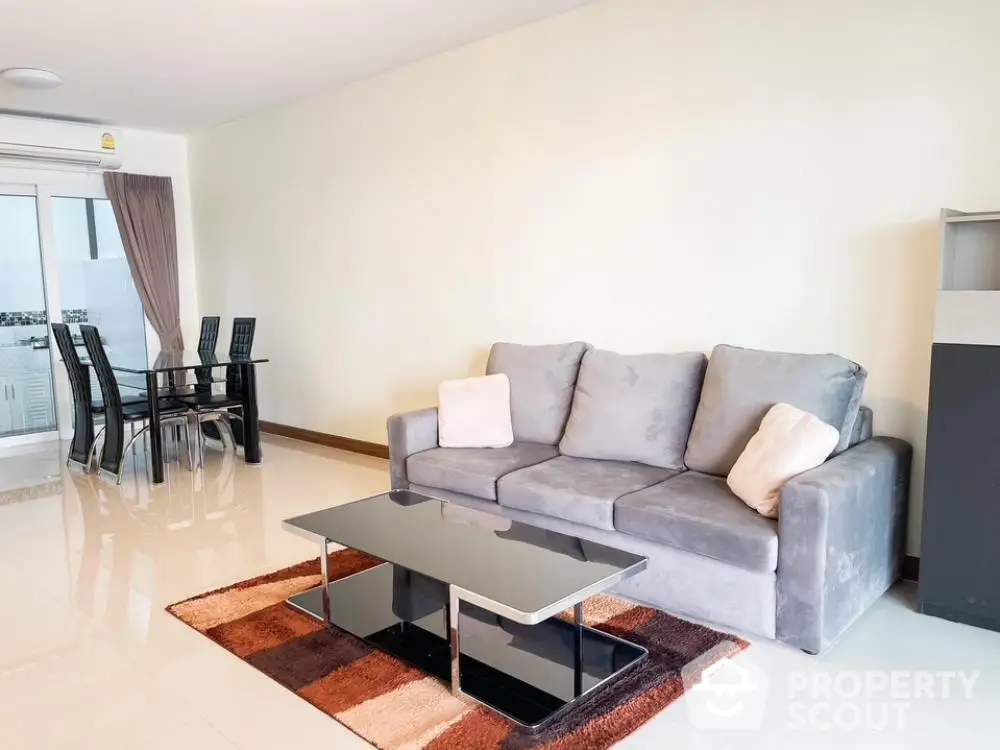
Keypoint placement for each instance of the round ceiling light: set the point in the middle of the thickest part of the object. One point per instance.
(31, 78)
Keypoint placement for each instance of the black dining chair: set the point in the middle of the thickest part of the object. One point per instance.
(224, 407)
(209, 336)
(79, 382)
(240, 347)
(207, 340)
(241, 343)
(117, 414)
(85, 408)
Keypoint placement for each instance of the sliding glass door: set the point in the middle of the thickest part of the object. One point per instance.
(95, 284)
(28, 405)
(61, 260)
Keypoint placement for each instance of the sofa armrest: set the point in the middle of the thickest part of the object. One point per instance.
(841, 537)
(410, 432)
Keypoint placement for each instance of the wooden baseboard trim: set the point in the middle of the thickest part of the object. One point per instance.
(911, 568)
(321, 438)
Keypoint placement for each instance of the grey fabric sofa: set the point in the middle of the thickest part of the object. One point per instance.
(632, 451)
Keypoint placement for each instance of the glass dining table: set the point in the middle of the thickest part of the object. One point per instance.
(168, 369)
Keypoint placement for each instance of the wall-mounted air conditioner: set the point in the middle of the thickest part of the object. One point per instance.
(26, 141)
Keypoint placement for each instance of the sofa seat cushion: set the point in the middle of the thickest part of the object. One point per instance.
(474, 471)
(698, 513)
(583, 490)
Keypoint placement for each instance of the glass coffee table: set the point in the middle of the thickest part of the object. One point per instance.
(472, 599)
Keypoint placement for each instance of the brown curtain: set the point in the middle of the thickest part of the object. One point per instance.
(144, 210)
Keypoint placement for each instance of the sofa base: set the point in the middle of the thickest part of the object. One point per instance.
(679, 582)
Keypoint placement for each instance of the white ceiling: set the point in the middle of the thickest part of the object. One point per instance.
(184, 65)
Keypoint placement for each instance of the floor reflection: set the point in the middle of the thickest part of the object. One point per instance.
(88, 656)
(134, 535)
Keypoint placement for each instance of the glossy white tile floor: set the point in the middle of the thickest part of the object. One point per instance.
(89, 659)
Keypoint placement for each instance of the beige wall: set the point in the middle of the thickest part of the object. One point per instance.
(647, 175)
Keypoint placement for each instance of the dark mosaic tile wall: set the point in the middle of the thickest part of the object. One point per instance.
(39, 318)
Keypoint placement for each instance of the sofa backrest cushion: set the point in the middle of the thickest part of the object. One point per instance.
(542, 379)
(742, 384)
(636, 407)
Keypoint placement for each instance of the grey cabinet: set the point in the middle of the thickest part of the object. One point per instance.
(959, 556)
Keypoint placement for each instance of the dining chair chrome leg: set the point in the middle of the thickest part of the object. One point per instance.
(167, 431)
(135, 457)
(93, 448)
(201, 443)
(131, 442)
(187, 444)
(229, 431)
(239, 418)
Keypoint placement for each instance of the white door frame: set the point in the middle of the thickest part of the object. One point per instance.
(47, 187)
(89, 186)
(31, 191)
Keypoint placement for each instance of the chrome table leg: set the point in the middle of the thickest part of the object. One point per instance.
(324, 568)
(456, 643)
(578, 650)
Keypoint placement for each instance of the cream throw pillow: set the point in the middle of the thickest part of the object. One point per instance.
(789, 442)
(475, 413)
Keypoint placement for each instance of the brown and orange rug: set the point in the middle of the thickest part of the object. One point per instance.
(394, 706)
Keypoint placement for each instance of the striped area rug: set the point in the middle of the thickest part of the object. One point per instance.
(396, 707)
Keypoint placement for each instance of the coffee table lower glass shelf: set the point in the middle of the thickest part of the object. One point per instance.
(528, 673)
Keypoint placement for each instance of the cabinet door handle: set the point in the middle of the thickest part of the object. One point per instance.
(13, 393)
(5, 393)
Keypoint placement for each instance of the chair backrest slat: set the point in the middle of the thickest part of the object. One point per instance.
(79, 379)
(102, 367)
(207, 341)
(240, 345)
(79, 383)
(209, 333)
(114, 418)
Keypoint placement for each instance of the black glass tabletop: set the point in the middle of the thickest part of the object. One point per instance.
(526, 573)
(175, 360)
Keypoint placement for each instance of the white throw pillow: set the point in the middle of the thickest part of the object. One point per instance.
(475, 413)
(789, 442)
